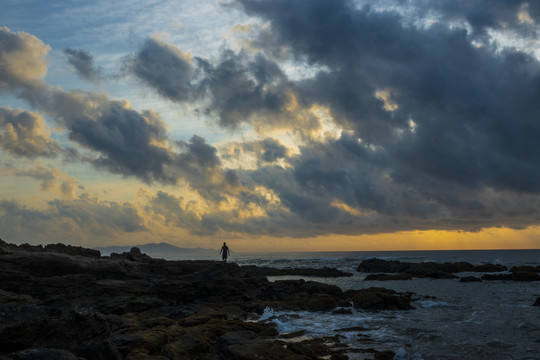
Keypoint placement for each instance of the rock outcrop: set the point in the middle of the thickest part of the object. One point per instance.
(425, 269)
(61, 302)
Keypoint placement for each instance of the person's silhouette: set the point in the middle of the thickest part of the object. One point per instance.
(224, 252)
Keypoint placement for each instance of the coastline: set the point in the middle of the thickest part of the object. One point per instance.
(68, 302)
(64, 302)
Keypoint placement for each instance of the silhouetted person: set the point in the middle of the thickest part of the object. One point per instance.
(224, 252)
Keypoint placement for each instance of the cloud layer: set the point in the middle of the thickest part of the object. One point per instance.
(354, 119)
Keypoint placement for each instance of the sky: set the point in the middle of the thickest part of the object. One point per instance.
(273, 125)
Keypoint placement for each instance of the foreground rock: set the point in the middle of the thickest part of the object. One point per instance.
(66, 303)
(423, 270)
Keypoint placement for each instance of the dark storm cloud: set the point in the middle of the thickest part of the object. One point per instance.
(474, 110)
(124, 138)
(272, 150)
(244, 89)
(126, 141)
(199, 165)
(343, 187)
(166, 69)
(83, 63)
(239, 88)
(199, 153)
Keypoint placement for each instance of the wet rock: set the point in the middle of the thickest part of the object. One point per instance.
(525, 268)
(98, 350)
(10, 299)
(293, 334)
(470, 279)
(35, 326)
(525, 276)
(379, 299)
(43, 354)
(384, 355)
(339, 357)
(125, 342)
(426, 269)
(489, 268)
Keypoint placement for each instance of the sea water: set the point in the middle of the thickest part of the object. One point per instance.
(452, 320)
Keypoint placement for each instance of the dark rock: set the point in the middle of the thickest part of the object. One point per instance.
(525, 269)
(525, 276)
(49, 327)
(302, 349)
(134, 254)
(10, 299)
(98, 350)
(537, 302)
(339, 357)
(43, 354)
(490, 268)
(6, 248)
(384, 355)
(129, 304)
(425, 269)
(293, 334)
(379, 299)
(470, 279)
(243, 345)
(62, 302)
(72, 250)
(125, 342)
(233, 338)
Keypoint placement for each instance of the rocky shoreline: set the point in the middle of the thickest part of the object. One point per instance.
(383, 270)
(65, 302)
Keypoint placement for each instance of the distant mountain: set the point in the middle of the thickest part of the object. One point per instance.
(163, 250)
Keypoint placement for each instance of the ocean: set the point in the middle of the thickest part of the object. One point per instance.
(452, 320)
